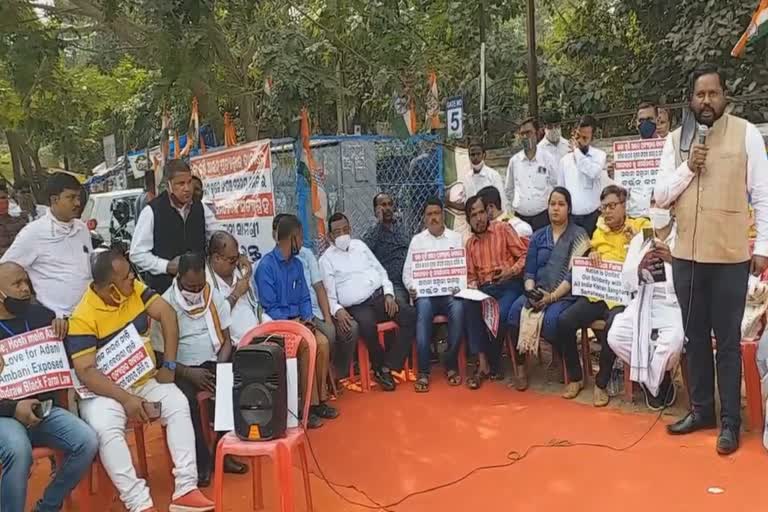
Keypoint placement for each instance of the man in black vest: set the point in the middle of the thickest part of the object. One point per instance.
(174, 223)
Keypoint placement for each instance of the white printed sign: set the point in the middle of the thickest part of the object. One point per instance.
(238, 184)
(438, 273)
(124, 360)
(601, 281)
(35, 362)
(454, 113)
(637, 164)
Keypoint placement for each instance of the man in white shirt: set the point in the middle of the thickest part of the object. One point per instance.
(203, 316)
(582, 173)
(649, 335)
(531, 176)
(482, 176)
(553, 145)
(233, 281)
(55, 249)
(359, 289)
(436, 237)
(492, 200)
(173, 224)
(710, 182)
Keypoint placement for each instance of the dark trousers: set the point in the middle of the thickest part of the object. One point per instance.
(537, 221)
(580, 315)
(588, 221)
(712, 297)
(190, 390)
(372, 311)
(480, 339)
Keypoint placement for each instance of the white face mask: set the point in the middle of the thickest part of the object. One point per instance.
(342, 242)
(477, 167)
(660, 217)
(553, 135)
(193, 298)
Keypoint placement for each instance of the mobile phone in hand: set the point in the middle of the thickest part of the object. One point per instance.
(153, 410)
(647, 234)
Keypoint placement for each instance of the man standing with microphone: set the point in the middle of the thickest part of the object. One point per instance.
(709, 180)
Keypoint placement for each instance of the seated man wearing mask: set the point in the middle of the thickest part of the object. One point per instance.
(203, 316)
(114, 300)
(609, 243)
(649, 334)
(233, 280)
(360, 290)
(492, 200)
(20, 428)
(284, 293)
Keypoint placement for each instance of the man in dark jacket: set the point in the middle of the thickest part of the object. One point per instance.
(174, 223)
(21, 428)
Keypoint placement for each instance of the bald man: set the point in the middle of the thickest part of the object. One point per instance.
(21, 428)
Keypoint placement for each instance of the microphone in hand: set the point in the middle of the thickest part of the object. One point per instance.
(699, 151)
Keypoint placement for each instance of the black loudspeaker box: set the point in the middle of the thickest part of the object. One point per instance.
(259, 392)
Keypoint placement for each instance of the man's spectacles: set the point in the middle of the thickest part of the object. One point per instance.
(231, 260)
(607, 207)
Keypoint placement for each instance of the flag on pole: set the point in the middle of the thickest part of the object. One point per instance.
(309, 169)
(433, 103)
(757, 29)
(404, 120)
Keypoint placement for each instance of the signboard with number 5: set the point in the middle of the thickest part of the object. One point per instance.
(454, 113)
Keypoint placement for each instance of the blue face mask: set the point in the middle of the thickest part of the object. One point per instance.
(647, 128)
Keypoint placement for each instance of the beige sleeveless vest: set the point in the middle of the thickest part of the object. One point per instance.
(715, 204)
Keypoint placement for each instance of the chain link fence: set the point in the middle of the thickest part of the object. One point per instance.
(352, 170)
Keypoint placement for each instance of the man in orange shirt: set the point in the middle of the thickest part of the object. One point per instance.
(495, 261)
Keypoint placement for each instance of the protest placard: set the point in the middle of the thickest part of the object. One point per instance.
(601, 281)
(124, 360)
(238, 185)
(637, 164)
(35, 362)
(437, 273)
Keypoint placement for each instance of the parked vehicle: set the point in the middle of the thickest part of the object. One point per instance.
(98, 213)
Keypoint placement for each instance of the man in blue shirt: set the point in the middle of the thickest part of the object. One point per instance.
(284, 295)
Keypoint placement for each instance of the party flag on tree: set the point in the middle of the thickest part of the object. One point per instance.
(757, 29)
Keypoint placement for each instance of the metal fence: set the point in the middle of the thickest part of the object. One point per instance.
(353, 169)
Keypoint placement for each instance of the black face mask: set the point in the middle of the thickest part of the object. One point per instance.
(16, 307)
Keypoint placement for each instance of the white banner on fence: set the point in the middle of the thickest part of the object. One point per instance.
(600, 281)
(637, 163)
(238, 182)
(124, 360)
(437, 273)
(35, 362)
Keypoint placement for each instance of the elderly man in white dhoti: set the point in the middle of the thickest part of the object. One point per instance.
(649, 334)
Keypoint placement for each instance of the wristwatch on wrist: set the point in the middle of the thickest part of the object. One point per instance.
(171, 365)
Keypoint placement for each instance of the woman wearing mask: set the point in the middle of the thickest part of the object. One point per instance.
(548, 286)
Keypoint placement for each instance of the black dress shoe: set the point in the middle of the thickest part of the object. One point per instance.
(203, 478)
(728, 440)
(384, 379)
(325, 411)
(691, 423)
(233, 466)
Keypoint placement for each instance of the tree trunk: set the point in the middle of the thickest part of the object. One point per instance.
(14, 144)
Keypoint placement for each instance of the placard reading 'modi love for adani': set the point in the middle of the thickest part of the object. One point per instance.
(35, 362)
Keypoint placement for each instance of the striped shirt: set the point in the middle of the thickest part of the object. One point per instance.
(499, 248)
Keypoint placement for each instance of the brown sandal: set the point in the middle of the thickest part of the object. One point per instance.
(454, 379)
(422, 384)
(476, 380)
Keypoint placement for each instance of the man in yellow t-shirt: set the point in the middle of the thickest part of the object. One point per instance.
(610, 242)
(112, 302)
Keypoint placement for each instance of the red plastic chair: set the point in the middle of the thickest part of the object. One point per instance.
(45, 453)
(382, 328)
(439, 320)
(279, 450)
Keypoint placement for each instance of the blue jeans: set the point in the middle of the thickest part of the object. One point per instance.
(477, 332)
(60, 431)
(426, 309)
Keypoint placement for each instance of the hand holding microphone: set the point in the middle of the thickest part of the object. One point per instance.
(699, 151)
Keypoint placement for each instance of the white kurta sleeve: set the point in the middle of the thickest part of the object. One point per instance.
(143, 243)
(330, 284)
(757, 184)
(672, 180)
(631, 263)
(509, 185)
(592, 167)
(408, 267)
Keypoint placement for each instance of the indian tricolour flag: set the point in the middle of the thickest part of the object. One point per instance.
(309, 168)
(757, 29)
(404, 119)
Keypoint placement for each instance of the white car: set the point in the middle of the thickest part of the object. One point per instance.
(97, 213)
